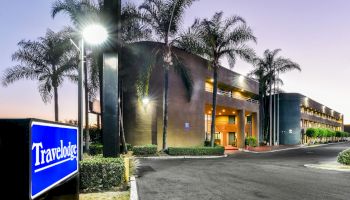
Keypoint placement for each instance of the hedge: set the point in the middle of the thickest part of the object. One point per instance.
(344, 157)
(95, 135)
(322, 132)
(145, 150)
(207, 144)
(312, 132)
(195, 151)
(95, 149)
(251, 141)
(98, 173)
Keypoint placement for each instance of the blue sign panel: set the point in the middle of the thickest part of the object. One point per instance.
(54, 155)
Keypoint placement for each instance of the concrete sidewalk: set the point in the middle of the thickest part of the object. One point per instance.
(179, 157)
(334, 166)
(268, 149)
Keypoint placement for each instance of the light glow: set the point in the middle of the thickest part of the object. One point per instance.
(145, 101)
(95, 34)
(241, 78)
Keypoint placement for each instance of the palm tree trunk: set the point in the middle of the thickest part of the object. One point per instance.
(87, 134)
(165, 105)
(55, 93)
(270, 113)
(213, 114)
(261, 115)
(274, 113)
(122, 134)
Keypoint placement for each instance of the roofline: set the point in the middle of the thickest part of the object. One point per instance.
(195, 55)
(301, 95)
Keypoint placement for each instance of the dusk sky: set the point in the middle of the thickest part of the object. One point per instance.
(313, 33)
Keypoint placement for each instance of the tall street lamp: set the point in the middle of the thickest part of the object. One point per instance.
(93, 34)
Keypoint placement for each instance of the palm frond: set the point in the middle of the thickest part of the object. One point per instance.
(19, 72)
(45, 90)
(185, 74)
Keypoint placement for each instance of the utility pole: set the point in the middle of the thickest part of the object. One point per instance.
(80, 97)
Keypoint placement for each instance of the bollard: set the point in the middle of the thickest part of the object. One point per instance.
(127, 169)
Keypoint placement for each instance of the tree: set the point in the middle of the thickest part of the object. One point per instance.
(48, 60)
(164, 18)
(267, 69)
(83, 12)
(215, 39)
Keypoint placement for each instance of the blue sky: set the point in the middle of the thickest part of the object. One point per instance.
(313, 33)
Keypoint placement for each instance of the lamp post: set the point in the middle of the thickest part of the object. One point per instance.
(93, 34)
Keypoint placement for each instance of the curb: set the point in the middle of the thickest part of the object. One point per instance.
(180, 157)
(333, 167)
(133, 189)
(300, 147)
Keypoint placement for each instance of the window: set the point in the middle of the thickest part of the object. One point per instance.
(217, 136)
(249, 119)
(232, 119)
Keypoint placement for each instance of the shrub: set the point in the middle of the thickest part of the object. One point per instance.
(98, 173)
(207, 143)
(312, 132)
(321, 132)
(251, 141)
(95, 135)
(344, 157)
(338, 134)
(345, 134)
(95, 148)
(195, 151)
(129, 146)
(149, 149)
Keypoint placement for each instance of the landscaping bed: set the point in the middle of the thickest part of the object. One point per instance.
(123, 195)
(195, 151)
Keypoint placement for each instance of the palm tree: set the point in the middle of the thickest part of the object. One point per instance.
(49, 60)
(82, 12)
(164, 18)
(215, 39)
(266, 72)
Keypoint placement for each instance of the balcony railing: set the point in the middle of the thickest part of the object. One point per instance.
(231, 95)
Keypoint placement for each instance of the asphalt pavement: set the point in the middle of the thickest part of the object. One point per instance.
(277, 175)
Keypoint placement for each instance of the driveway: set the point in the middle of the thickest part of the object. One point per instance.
(278, 175)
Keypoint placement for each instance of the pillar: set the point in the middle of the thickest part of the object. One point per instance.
(241, 129)
(255, 126)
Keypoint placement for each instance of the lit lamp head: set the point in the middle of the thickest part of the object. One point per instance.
(241, 78)
(95, 34)
(145, 101)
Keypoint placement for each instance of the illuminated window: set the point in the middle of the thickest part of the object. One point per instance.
(217, 136)
(232, 119)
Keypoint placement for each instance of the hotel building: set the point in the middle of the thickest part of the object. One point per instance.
(188, 121)
(297, 113)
